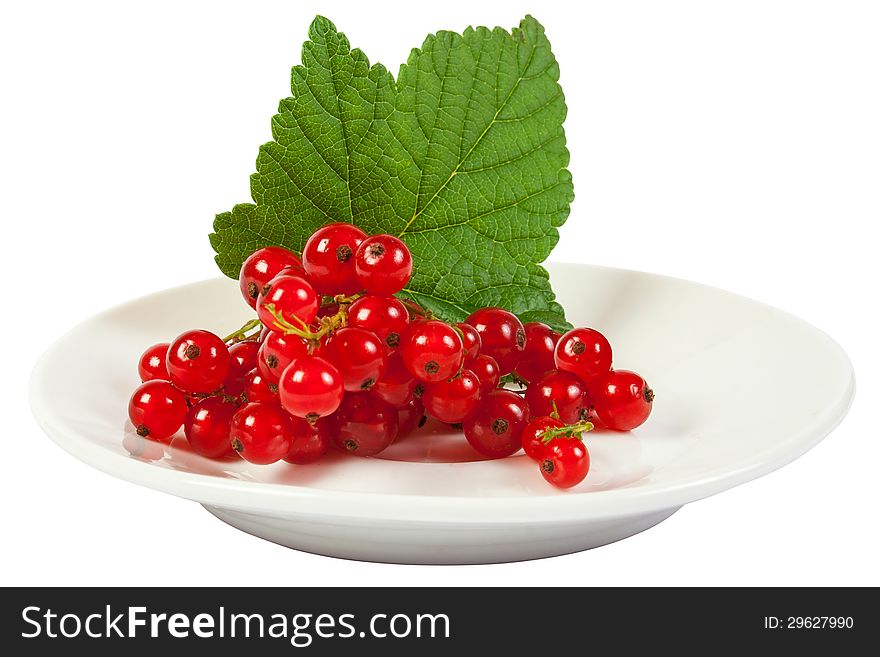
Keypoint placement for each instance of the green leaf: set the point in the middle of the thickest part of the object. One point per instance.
(463, 157)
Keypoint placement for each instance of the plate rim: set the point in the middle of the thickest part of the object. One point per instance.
(280, 499)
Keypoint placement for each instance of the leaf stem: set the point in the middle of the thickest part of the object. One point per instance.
(415, 309)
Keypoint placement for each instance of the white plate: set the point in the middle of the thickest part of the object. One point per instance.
(742, 389)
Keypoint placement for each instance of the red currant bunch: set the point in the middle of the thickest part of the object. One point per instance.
(342, 353)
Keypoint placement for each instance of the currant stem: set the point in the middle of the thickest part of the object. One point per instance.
(343, 300)
(417, 310)
(241, 334)
(327, 324)
(569, 431)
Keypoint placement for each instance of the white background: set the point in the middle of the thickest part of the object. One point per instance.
(737, 144)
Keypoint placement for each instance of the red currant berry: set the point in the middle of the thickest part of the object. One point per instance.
(152, 363)
(310, 387)
(309, 441)
(278, 351)
(495, 429)
(385, 316)
(261, 267)
(207, 427)
(359, 356)
(243, 358)
(328, 258)
(533, 435)
(157, 410)
(410, 417)
(566, 462)
(623, 400)
(563, 389)
(503, 336)
(471, 340)
(453, 400)
(364, 425)
(432, 350)
(487, 372)
(584, 352)
(396, 386)
(198, 362)
(537, 358)
(260, 433)
(383, 264)
(257, 388)
(287, 301)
